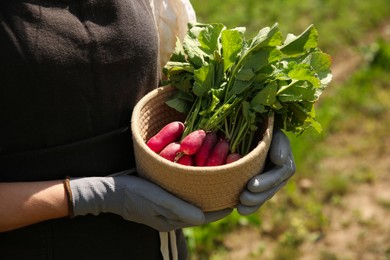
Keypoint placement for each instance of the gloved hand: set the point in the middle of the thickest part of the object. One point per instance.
(262, 187)
(137, 200)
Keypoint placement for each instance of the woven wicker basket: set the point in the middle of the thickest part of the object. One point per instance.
(209, 188)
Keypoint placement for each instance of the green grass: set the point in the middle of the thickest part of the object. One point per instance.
(347, 111)
(340, 22)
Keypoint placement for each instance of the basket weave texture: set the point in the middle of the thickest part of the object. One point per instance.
(209, 188)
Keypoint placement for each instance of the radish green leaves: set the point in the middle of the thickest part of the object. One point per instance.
(229, 83)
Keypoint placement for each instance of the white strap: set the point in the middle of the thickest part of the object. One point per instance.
(164, 245)
(172, 236)
(171, 17)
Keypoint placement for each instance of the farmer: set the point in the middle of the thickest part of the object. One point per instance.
(70, 74)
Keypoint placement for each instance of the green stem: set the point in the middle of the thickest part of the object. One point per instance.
(192, 117)
(234, 133)
(221, 113)
(235, 71)
(227, 133)
(246, 143)
(231, 124)
(240, 136)
(283, 88)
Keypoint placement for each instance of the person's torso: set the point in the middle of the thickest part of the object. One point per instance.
(71, 70)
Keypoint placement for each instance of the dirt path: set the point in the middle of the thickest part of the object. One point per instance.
(359, 227)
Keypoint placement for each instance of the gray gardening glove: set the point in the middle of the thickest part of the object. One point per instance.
(137, 200)
(262, 187)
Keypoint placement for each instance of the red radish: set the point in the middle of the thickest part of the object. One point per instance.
(219, 153)
(166, 135)
(204, 151)
(192, 142)
(170, 151)
(232, 157)
(186, 160)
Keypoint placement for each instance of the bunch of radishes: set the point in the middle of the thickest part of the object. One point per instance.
(198, 148)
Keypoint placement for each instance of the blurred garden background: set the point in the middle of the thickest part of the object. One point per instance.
(337, 205)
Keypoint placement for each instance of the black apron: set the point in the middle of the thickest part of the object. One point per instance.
(70, 74)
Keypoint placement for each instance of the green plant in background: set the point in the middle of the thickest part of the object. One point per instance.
(345, 22)
(296, 214)
(207, 239)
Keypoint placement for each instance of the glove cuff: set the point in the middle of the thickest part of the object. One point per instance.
(89, 195)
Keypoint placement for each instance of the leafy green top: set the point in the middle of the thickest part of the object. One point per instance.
(228, 83)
